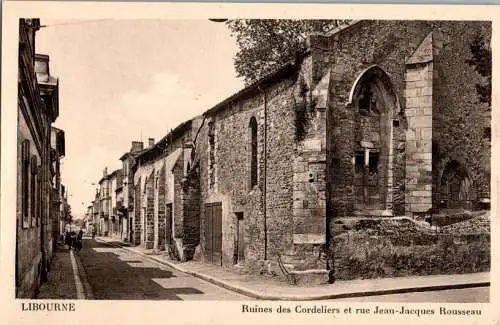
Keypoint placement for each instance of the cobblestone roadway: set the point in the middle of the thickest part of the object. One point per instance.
(115, 273)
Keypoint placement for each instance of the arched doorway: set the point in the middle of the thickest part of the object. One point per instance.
(374, 101)
(455, 187)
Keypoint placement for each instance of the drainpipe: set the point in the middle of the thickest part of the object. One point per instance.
(264, 190)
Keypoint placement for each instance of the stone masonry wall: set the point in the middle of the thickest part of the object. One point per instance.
(178, 172)
(156, 221)
(309, 168)
(419, 78)
(460, 120)
(232, 174)
(280, 178)
(29, 256)
(149, 217)
(386, 44)
(137, 226)
(158, 183)
(191, 211)
(161, 209)
(437, 115)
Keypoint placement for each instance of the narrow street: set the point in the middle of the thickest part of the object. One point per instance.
(115, 273)
(104, 269)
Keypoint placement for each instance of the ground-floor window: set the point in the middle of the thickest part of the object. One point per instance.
(366, 180)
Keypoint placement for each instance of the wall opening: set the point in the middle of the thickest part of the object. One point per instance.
(240, 239)
(374, 101)
(367, 103)
(455, 187)
(252, 130)
(373, 164)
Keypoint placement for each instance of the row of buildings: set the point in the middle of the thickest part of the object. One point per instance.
(375, 119)
(42, 207)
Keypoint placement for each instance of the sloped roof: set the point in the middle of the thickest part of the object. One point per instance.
(161, 145)
(283, 71)
(424, 52)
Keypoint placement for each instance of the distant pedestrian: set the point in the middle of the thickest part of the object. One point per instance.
(79, 240)
(67, 239)
(72, 240)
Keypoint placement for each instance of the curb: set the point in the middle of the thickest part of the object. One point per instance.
(89, 295)
(260, 296)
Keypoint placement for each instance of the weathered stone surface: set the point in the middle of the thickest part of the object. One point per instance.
(378, 160)
(161, 209)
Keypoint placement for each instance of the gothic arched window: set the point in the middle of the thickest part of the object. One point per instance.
(456, 186)
(373, 98)
(367, 98)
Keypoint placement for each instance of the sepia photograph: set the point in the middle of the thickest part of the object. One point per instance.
(353, 162)
(320, 162)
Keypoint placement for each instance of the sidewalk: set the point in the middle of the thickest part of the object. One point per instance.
(66, 277)
(261, 287)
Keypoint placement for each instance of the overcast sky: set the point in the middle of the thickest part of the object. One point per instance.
(119, 79)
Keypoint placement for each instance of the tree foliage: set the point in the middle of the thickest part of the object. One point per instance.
(266, 44)
(481, 61)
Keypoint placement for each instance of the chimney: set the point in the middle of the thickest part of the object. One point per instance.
(151, 142)
(137, 146)
(105, 172)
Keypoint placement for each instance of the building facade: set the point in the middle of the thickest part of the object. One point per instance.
(119, 208)
(377, 119)
(166, 214)
(64, 212)
(104, 203)
(37, 167)
(96, 214)
(115, 180)
(127, 208)
(57, 196)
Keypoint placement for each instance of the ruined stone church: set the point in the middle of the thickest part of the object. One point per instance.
(377, 119)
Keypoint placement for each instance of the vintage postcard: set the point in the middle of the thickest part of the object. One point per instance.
(191, 163)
